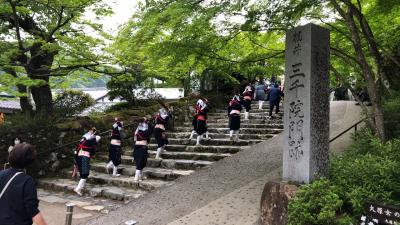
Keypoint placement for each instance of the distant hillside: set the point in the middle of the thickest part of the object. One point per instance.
(91, 83)
(76, 81)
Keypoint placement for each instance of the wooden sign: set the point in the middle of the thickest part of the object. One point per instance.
(380, 214)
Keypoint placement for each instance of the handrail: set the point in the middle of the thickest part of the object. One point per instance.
(355, 129)
(73, 142)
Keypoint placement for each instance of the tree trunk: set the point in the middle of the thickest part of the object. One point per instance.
(43, 97)
(26, 106)
(372, 86)
(373, 46)
(24, 100)
(38, 68)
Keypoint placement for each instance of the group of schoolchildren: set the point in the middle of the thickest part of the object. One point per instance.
(85, 150)
(86, 147)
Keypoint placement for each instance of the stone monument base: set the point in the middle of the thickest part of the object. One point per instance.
(274, 202)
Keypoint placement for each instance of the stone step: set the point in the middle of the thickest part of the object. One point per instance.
(262, 125)
(184, 148)
(252, 116)
(225, 120)
(185, 135)
(174, 160)
(225, 130)
(214, 149)
(212, 141)
(151, 172)
(105, 191)
(252, 110)
(122, 181)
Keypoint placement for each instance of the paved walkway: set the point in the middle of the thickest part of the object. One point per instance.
(227, 192)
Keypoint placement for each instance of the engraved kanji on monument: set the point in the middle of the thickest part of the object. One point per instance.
(306, 104)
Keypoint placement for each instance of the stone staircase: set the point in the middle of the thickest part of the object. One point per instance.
(181, 158)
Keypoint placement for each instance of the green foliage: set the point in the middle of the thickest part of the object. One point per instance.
(367, 176)
(40, 131)
(70, 102)
(392, 115)
(49, 39)
(317, 203)
(123, 86)
(367, 171)
(180, 40)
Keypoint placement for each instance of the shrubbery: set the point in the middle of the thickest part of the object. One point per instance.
(392, 116)
(368, 171)
(71, 102)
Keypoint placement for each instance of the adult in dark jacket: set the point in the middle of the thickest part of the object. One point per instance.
(260, 93)
(275, 95)
(19, 204)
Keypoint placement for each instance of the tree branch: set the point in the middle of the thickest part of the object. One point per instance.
(16, 24)
(344, 55)
(60, 24)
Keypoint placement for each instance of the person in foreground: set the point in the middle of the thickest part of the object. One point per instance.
(19, 204)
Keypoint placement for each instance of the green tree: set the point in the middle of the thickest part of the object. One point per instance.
(43, 39)
(177, 38)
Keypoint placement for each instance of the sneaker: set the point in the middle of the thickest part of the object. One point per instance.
(231, 138)
(79, 192)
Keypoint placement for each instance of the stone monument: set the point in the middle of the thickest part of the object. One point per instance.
(306, 118)
(306, 104)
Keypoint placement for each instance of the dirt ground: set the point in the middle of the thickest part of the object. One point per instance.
(55, 214)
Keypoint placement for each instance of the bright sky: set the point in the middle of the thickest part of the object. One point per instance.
(123, 10)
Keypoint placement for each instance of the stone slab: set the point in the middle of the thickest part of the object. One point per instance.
(306, 104)
(81, 215)
(274, 201)
(52, 199)
(97, 208)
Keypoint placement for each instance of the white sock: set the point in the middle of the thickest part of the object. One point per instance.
(260, 104)
(159, 151)
(137, 175)
(230, 133)
(115, 171)
(237, 135)
(192, 134)
(81, 185)
(198, 140)
(246, 116)
(110, 164)
(207, 135)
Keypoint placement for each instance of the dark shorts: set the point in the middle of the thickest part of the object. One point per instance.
(83, 166)
(140, 155)
(194, 123)
(201, 127)
(234, 122)
(159, 135)
(247, 105)
(114, 154)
